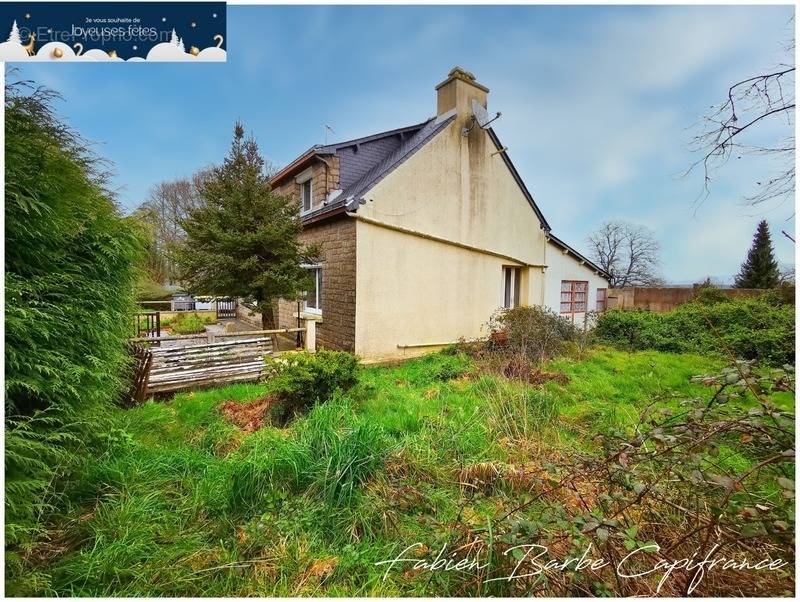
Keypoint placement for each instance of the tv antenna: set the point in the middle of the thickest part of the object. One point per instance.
(328, 129)
(480, 117)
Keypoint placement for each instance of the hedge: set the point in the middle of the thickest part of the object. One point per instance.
(762, 329)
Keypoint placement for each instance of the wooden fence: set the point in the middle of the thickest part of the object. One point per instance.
(196, 366)
(187, 363)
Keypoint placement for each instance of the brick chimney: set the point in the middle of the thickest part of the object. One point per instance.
(458, 91)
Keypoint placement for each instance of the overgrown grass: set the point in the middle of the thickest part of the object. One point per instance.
(183, 503)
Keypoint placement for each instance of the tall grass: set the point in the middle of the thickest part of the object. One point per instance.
(516, 411)
(181, 503)
(331, 455)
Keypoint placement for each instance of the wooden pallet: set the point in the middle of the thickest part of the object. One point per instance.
(196, 366)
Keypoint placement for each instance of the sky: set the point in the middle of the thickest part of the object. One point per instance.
(599, 106)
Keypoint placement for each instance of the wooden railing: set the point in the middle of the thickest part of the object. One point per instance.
(170, 368)
(195, 366)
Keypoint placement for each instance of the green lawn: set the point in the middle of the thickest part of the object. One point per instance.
(184, 503)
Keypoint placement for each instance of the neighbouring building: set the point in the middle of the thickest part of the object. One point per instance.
(425, 231)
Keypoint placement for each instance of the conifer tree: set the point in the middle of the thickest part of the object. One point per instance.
(760, 269)
(241, 241)
(14, 35)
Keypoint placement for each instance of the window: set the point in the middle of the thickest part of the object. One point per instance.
(601, 299)
(305, 195)
(573, 296)
(314, 294)
(511, 286)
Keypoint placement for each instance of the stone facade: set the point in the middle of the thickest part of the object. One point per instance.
(337, 238)
(324, 179)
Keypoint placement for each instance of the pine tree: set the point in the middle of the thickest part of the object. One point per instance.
(181, 47)
(14, 35)
(173, 38)
(760, 269)
(241, 241)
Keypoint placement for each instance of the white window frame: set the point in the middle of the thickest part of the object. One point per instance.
(515, 296)
(303, 179)
(317, 269)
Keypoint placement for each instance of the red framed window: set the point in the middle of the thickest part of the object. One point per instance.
(601, 299)
(574, 296)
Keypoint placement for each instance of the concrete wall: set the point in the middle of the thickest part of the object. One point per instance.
(665, 298)
(415, 288)
(561, 266)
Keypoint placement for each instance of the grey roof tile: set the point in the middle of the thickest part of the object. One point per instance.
(394, 159)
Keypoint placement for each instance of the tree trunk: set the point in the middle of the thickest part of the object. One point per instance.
(268, 322)
(268, 319)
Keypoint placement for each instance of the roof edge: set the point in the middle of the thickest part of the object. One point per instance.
(560, 243)
(520, 182)
(295, 164)
(364, 139)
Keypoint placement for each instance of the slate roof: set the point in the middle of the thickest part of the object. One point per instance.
(410, 140)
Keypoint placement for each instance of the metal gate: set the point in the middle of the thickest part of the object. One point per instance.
(226, 309)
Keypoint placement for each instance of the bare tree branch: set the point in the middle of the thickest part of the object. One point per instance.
(753, 101)
(629, 253)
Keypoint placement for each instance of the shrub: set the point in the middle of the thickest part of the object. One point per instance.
(190, 323)
(537, 333)
(708, 294)
(70, 274)
(303, 379)
(750, 328)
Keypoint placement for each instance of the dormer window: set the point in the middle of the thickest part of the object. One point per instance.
(306, 191)
(305, 195)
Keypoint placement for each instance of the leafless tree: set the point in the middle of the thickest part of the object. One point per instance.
(629, 253)
(787, 274)
(167, 204)
(734, 128)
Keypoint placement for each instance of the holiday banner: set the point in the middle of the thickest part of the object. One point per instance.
(113, 31)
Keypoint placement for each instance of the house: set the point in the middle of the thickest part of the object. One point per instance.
(426, 230)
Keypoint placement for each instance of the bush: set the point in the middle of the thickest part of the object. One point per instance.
(750, 328)
(190, 323)
(70, 275)
(536, 333)
(709, 294)
(303, 379)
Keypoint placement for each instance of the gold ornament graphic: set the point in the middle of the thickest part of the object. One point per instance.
(219, 39)
(57, 53)
(112, 54)
(29, 46)
(194, 51)
(78, 48)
